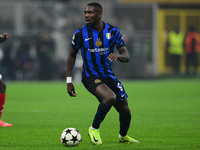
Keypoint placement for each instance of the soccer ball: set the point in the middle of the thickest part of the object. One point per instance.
(70, 137)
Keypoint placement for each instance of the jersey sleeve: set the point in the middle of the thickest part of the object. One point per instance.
(76, 44)
(119, 42)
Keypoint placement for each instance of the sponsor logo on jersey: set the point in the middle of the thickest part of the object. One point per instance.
(102, 51)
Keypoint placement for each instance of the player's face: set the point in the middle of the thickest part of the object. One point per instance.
(92, 15)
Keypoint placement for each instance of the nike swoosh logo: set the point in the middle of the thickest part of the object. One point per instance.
(88, 39)
(123, 95)
(95, 139)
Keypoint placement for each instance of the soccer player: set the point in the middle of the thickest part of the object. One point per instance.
(97, 40)
(3, 87)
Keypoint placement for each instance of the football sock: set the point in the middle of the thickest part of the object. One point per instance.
(124, 124)
(92, 128)
(100, 115)
(2, 102)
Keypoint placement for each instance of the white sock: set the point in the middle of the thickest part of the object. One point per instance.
(121, 136)
(92, 128)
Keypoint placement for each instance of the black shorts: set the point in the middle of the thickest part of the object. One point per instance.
(91, 84)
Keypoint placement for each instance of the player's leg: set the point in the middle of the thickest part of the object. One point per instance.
(178, 57)
(187, 64)
(125, 119)
(107, 99)
(2, 102)
(2, 96)
(195, 62)
(124, 116)
(173, 57)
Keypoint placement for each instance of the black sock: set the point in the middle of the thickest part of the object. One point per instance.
(124, 124)
(100, 115)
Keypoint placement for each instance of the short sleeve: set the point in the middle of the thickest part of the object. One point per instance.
(76, 44)
(119, 42)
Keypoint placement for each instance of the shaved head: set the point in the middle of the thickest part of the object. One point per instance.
(97, 5)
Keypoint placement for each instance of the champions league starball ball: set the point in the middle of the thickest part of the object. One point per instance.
(70, 137)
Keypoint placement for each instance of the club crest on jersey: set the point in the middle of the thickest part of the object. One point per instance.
(108, 35)
(98, 42)
(97, 81)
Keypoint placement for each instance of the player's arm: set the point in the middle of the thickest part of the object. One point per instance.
(123, 55)
(70, 65)
(4, 37)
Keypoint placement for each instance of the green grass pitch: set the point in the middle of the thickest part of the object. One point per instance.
(165, 116)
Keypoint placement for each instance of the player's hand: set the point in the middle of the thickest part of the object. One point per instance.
(112, 56)
(71, 90)
(6, 36)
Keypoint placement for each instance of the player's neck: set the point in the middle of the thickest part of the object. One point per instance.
(99, 26)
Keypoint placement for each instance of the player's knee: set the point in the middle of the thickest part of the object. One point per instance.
(111, 99)
(126, 112)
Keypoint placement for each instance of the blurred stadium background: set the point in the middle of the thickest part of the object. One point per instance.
(42, 31)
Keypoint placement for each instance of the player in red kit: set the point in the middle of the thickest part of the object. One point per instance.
(3, 87)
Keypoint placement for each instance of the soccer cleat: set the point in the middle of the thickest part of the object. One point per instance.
(3, 124)
(94, 136)
(127, 139)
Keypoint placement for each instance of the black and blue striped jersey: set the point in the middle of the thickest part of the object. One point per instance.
(95, 47)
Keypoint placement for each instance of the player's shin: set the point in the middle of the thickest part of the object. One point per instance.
(100, 115)
(2, 102)
(124, 124)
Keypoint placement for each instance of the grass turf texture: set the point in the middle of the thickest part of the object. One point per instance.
(165, 116)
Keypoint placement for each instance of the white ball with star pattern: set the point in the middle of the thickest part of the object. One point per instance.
(70, 137)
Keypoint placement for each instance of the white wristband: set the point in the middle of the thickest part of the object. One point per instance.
(69, 80)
